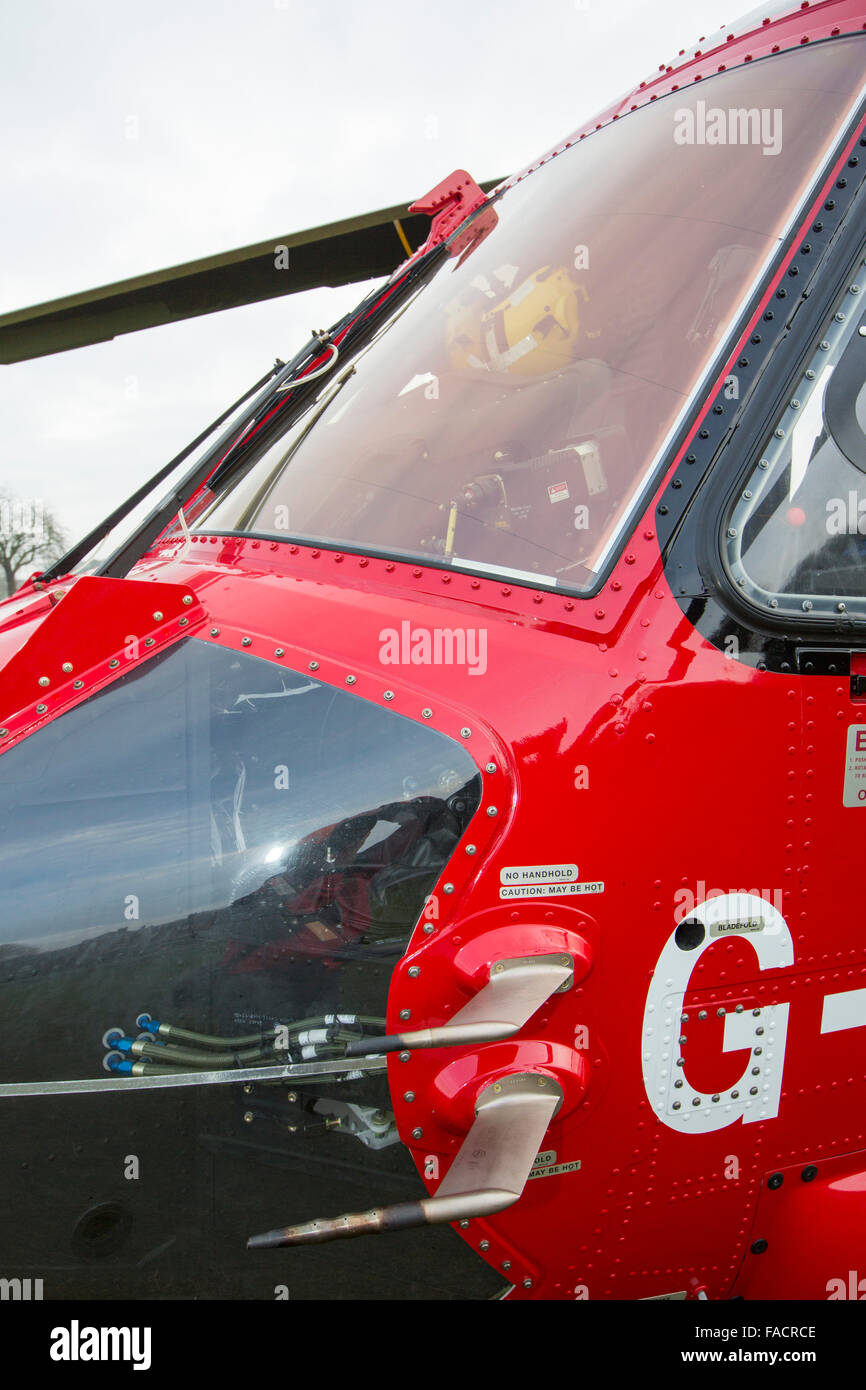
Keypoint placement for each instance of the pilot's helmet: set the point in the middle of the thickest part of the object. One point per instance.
(528, 330)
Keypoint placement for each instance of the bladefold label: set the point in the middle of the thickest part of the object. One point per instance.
(538, 873)
(736, 924)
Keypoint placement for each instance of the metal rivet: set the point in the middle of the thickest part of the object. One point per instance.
(248, 1117)
(3, 733)
(464, 1225)
(149, 641)
(188, 598)
(67, 667)
(405, 1013)
(720, 1013)
(491, 811)
(279, 651)
(470, 849)
(113, 663)
(465, 733)
(158, 617)
(426, 714)
(527, 1283)
(417, 1133)
(404, 1056)
(414, 971)
(484, 1245)
(350, 680)
(313, 666)
(506, 1264)
(182, 622)
(428, 928)
(214, 632)
(491, 767)
(41, 709)
(43, 680)
(389, 694)
(78, 685)
(409, 1096)
(246, 641)
(447, 887)
(702, 1014)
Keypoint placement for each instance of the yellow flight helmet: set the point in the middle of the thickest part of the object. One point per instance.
(533, 330)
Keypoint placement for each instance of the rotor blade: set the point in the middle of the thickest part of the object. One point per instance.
(339, 253)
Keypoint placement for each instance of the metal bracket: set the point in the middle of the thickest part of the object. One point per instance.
(515, 990)
(488, 1174)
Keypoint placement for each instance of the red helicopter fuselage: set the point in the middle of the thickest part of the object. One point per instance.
(671, 755)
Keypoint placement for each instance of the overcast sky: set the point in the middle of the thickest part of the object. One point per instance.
(137, 136)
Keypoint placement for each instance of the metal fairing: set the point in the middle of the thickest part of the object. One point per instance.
(712, 915)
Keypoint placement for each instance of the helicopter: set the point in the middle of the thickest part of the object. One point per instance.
(427, 806)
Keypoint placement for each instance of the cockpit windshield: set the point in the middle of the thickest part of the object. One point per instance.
(511, 413)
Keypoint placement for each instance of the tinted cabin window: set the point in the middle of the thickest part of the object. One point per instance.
(217, 841)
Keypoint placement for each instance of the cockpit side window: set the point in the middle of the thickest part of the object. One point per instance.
(795, 537)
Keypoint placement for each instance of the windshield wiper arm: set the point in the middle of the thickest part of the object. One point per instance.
(233, 449)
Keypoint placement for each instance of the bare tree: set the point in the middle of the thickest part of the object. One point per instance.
(29, 535)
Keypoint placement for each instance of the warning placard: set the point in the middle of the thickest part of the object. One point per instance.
(854, 788)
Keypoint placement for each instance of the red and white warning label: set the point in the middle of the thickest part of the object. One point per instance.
(854, 787)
